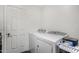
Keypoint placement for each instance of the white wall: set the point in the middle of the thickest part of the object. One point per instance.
(61, 18)
(1, 18)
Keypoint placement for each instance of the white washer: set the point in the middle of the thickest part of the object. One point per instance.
(46, 38)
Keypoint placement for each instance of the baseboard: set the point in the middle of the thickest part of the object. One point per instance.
(26, 52)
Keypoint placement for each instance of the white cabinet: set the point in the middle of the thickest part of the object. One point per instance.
(39, 46)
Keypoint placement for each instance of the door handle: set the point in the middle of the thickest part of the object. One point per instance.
(37, 46)
(8, 35)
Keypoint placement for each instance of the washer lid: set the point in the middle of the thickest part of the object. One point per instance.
(49, 37)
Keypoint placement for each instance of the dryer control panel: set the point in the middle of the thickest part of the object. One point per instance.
(68, 46)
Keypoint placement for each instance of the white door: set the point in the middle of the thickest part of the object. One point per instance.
(11, 30)
(15, 34)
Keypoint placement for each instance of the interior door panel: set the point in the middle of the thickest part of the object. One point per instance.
(11, 28)
(15, 25)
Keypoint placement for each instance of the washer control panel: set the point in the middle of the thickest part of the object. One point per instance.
(67, 47)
